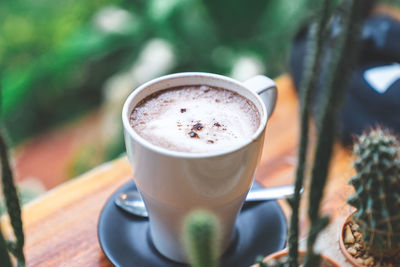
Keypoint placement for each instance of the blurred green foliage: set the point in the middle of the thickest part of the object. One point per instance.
(55, 57)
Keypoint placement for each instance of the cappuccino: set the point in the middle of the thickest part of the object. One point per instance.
(195, 119)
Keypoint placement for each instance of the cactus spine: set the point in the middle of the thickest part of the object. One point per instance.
(201, 237)
(377, 196)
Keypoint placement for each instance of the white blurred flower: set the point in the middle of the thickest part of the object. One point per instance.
(246, 67)
(156, 59)
(113, 20)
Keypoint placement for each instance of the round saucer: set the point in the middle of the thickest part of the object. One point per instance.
(261, 229)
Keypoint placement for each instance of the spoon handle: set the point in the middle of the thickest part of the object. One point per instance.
(270, 193)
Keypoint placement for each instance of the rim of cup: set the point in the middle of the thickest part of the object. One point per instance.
(126, 110)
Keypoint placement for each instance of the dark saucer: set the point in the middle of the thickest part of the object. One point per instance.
(261, 229)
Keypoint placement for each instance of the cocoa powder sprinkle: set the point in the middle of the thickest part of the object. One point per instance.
(193, 134)
(198, 126)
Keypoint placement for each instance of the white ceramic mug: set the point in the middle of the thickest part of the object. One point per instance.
(173, 184)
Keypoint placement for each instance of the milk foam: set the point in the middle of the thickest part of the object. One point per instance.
(195, 119)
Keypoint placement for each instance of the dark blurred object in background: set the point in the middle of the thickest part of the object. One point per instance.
(374, 88)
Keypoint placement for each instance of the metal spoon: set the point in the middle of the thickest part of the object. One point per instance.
(132, 202)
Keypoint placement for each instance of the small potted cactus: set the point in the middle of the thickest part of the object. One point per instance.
(371, 235)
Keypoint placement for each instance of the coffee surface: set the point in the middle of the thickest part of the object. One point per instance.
(195, 119)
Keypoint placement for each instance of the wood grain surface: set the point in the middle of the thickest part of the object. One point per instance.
(61, 226)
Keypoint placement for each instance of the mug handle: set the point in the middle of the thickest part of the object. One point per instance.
(266, 89)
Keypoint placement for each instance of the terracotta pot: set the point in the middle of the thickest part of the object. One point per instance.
(346, 254)
(326, 261)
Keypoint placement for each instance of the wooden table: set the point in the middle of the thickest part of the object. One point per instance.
(61, 226)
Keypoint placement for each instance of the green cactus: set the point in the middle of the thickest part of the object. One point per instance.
(377, 196)
(4, 256)
(201, 239)
(15, 247)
